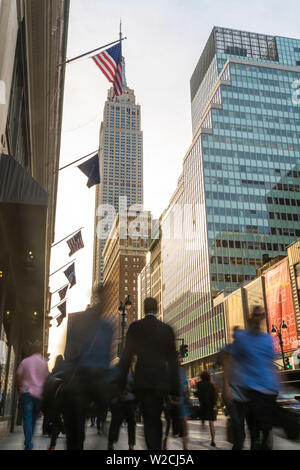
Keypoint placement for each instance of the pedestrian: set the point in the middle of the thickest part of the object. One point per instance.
(123, 409)
(238, 409)
(207, 396)
(101, 417)
(184, 405)
(30, 378)
(251, 354)
(171, 413)
(156, 371)
(178, 413)
(51, 404)
(87, 371)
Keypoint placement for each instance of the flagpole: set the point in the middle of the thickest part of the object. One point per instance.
(76, 161)
(61, 288)
(57, 243)
(61, 302)
(90, 52)
(63, 267)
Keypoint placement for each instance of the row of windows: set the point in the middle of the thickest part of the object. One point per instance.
(271, 119)
(250, 169)
(221, 196)
(233, 128)
(249, 157)
(288, 232)
(236, 261)
(231, 277)
(281, 201)
(253, 183)
(283, 216)
(242, 91)
(245, 142)
(271, 106)
(254, 70)
(270, 83)
(250, 245)
(229, 211)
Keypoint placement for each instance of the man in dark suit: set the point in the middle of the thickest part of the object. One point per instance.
(156, 371)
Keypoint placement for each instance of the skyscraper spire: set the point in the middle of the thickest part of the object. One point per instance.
(124, 83)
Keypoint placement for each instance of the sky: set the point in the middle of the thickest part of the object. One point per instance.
(165, 39)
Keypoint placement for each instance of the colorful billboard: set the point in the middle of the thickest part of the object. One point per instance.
(280, 306)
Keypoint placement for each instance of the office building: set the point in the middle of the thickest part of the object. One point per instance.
(240, 181)
(33, 41)
(121, 167)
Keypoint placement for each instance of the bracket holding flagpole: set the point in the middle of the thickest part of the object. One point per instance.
(76, 161)
(63, 267)
(66, 238)
(90, 52)
(61, 288)
(57, 305)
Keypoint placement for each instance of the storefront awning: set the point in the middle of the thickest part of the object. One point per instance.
(17, 186)
(23, 218)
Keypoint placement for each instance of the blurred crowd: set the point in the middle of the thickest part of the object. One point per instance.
(148, 385)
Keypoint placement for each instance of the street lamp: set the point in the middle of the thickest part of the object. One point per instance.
(122, 308)
(277, 331)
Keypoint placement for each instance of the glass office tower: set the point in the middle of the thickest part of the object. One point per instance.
(243, 172)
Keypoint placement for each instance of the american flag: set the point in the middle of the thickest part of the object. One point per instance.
(75, 243)
(110, 63)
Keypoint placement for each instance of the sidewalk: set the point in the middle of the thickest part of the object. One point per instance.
(199, 438)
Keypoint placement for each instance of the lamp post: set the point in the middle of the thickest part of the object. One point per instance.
(122, 309)
(278, 332)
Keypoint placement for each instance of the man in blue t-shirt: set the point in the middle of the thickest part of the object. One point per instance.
(253, 354)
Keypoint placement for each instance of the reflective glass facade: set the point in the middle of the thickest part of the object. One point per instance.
(242, 171)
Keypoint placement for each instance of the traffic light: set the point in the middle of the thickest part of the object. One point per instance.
(287, 363)
(184, 350)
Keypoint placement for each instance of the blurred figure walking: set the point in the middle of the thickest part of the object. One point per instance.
(30, 378)
(87, 375)
(51, 405)
(207, 396)
(178, 413)
(156, 370)
(253, 354)
(123, 409)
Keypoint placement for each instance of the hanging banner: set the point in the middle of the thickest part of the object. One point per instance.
(280, 305)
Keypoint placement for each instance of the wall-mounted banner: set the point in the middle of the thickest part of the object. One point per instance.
(280, 305)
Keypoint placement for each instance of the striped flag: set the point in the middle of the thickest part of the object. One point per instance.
(110, 63)
(75, 243)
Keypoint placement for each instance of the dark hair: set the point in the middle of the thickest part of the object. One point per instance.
(36, 347)
(255, 309)
(150, 305)
(205, 377)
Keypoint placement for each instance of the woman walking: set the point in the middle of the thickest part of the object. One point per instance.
(207, 396)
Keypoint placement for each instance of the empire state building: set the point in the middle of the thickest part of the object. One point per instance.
(121, 166)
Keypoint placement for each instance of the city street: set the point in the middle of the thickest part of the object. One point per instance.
(199, 439)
